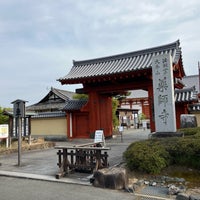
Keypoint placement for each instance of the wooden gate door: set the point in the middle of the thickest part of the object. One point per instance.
(82, 125)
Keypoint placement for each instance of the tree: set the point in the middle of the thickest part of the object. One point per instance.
(3, 118)
(80, 96)
(115, 119)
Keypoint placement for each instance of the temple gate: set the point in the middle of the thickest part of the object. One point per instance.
(105, 77)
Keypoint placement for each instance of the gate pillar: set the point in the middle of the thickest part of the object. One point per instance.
(100, 113)
(151, 108)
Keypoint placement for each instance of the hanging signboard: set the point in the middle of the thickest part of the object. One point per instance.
(3, 131)
(19, 108)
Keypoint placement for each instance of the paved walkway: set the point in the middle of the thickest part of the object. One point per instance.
(42, 164)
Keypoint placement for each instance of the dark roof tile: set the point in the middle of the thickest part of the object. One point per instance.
(49, 115)
(74, 105)
(137, 60)
(186, 95)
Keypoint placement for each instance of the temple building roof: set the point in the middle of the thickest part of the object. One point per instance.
(186, 95)
(82, 71)
(191, 80)
(75, 104)
(55, 100)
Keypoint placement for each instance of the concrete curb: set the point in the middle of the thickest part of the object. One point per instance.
(43, 178)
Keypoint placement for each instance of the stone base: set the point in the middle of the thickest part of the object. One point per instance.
(166, 134)
(112, 178)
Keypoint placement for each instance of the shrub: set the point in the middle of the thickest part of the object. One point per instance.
(152, 156)
(186, 151)
(190, 131)
(146, 156)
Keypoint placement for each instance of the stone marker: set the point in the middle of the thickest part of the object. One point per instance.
(188, 121)
(163, 90)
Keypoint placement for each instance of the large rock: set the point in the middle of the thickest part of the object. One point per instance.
(112, 178)
(195, 197)
(182, 196)
(188, 121)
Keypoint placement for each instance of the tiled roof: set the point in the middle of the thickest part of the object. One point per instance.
(138, 94)
(10, 113)
(54, 100)
(62, 94)
(194, 107)
(46, 106)
(74, 104)
(49, 115)
(191, 80)
(186, 95)
(122, 63)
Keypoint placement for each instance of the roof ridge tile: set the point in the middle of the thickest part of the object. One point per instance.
(128, 54)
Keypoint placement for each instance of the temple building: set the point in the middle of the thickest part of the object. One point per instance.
(49, 120)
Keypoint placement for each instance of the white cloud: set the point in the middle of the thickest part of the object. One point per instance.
(40, 38)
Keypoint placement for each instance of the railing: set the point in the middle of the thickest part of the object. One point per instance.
(81, 158)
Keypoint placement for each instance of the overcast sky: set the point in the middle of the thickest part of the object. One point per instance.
(40, 38)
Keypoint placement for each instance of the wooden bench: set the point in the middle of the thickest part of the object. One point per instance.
(85, 157)
(91, 144)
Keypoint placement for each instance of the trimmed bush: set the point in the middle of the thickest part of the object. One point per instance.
(191, 131)
(186, 151)
(146, 156)
(152, 156)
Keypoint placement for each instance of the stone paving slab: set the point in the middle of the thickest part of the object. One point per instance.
(153, 193)
(43, 163)
(43, 177)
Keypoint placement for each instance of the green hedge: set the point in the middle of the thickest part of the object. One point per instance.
(153, 155)
(186, 152)
(191, 132)
(147, 156)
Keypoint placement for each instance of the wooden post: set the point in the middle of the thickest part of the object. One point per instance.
(29, 130)
(10, 130)
(19, 121)
(19, 113)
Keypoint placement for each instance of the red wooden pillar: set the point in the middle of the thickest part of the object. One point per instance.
(131, 104)
(106, 115)
(100, 113)
(180, 109)
(94, 110)
(151, 108)
(142, 103)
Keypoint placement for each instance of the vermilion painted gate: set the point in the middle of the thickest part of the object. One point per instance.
(105, 77)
